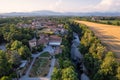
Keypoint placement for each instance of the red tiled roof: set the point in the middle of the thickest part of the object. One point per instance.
(55, 38)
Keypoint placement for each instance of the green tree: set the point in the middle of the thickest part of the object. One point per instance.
(24, 52)
(5, 78)
(4, 65)
(16, 45)
(67, 63)
(56, 74)
(118, 73)
(69, 74)
(107, 69)
(14, 58)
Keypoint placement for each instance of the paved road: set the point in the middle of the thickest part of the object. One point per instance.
(51, 68)
(26, 76)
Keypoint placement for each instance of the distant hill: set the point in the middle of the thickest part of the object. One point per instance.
(52, 13)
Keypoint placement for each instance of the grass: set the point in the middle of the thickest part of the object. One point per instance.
(40, 67)
(45, 54)
(46, 31)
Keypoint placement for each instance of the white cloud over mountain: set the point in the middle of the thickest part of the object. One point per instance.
(60, 5)
(108, 5)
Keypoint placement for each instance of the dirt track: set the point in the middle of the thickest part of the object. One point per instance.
(108, 34)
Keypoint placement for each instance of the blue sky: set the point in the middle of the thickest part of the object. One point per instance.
(60, 5)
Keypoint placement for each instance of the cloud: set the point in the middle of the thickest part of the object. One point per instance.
(108, 5)
(56, 6)
(57, 3)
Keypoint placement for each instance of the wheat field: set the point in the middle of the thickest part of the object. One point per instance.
(108, 34)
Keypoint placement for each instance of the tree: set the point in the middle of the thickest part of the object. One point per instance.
(109, 22)
(4, 65)
(118, 23)
(16, 45)
(69, 74)
(40, 48)
(118, 73)
(56, 74)
(5, 78)
(14, 58)
(107, 69)
(66, 63)
(24, 52)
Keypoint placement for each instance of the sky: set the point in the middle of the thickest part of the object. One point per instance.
(7, 6)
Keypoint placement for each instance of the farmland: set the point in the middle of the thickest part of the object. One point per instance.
(111, 22)
(108, 34)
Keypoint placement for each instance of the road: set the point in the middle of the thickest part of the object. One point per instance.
(26, 76)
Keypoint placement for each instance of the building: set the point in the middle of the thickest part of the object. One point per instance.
(22, 68)
(44, 39)
(33, 43)
(55, 40)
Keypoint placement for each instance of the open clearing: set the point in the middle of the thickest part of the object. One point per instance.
(108, 34)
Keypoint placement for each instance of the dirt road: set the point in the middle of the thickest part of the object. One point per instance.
(108, 34)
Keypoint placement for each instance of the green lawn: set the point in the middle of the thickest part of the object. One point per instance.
(46, 31)
(45, 54)
(40, 67)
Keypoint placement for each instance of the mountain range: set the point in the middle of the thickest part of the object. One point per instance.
(52, 13)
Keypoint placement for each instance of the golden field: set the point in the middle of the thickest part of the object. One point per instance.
(108, 34)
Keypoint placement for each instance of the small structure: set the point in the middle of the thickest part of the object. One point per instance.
(21, 69)
(60, 25)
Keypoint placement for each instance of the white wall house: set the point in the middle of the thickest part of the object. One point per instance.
(55, 40)
(55, 43)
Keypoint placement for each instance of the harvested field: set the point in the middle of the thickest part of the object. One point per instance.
(108, 34)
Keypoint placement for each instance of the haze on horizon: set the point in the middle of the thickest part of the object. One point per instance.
(60, 5)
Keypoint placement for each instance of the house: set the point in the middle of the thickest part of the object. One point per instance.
(60, 25)
(55, 40)
(22, 68)
(33, 43)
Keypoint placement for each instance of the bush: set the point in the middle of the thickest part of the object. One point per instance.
(40, 48)
(34, 50)
(13, 75)
(6, 78)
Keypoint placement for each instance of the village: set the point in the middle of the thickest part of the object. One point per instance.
(45, 44)
(48, 38)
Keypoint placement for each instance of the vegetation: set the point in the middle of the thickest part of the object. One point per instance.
(101, 65)
(101, 19)
(66, 70)
(45, 54)
(17, 45)
(40, 67)
(4, 65)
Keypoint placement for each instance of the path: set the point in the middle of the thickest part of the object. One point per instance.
(28, 71)
(51, 68)
(26, 76)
